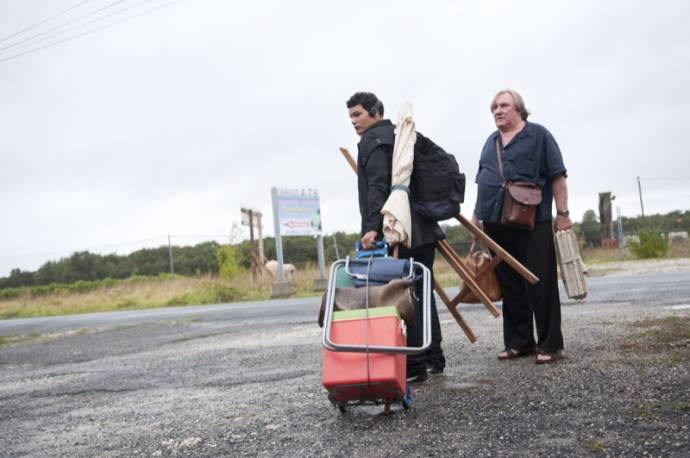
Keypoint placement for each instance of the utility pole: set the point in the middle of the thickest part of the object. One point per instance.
(170, 256)
(621, 242)
(639, 188)
(251, 238)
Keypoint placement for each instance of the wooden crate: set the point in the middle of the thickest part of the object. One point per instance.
(570, 263)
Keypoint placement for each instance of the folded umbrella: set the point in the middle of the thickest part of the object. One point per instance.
(397, 221)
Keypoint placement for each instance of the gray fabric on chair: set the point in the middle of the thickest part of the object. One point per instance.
(396, 293)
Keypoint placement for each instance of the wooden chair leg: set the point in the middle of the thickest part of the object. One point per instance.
(456, 314)
(496, 248)
(459, 266)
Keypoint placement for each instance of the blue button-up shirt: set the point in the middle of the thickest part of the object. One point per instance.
(532, 155)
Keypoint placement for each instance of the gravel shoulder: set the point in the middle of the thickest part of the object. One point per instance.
(623, 389)
(638, 266)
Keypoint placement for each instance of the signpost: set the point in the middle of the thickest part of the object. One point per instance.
(252, 218)
(297, 212)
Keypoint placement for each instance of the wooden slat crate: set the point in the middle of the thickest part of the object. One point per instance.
(570, 263)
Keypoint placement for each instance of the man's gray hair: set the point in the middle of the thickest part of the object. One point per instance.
(517, 98)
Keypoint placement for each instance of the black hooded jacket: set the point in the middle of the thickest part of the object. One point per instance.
(374, 163)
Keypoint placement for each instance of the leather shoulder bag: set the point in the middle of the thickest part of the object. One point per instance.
(520, 198)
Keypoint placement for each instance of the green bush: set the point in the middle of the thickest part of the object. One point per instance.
(651, 245)
(229, 262)
(11, 293)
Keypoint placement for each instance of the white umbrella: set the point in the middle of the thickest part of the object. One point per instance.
(397, 222)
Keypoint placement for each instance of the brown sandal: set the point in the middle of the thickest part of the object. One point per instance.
(512, 353)
(551, 357)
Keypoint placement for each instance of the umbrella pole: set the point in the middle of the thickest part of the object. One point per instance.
(348, 157)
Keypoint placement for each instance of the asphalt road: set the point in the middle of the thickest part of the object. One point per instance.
(244, 379)
(651, 289)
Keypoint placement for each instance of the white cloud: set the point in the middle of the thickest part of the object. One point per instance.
(168, 123)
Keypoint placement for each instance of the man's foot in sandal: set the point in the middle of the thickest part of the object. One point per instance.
(545, 357)
(512, 353)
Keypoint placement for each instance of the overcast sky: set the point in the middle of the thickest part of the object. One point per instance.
(169, 122)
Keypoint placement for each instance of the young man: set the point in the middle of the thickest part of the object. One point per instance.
(374, 162)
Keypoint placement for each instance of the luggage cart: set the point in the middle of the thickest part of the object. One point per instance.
(365, 350)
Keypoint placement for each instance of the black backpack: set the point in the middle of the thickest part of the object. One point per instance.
(437, 188)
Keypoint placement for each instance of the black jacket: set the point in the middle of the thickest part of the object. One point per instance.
(374, 163)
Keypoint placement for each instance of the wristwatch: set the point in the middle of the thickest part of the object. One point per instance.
(565, 212)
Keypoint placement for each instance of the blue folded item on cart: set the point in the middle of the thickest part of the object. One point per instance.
(380, 272)
(380, 250)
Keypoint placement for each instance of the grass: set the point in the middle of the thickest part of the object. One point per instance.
(133, 293)
(9, 340)
(142, 292)
(171, 290)
(647, 411)
(602, 256)
(659, 341)
(594, 446)
(156, 292)
(657, 344)
(660, 333)
(678, 249)
(681, 405)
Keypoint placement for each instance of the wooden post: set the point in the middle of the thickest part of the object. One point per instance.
(259, 223)
(251, 238)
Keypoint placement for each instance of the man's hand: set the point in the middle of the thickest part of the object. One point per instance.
(562, 223)
(368, 240)
(477, 223)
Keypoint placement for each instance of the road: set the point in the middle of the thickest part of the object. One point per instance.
(651, 289)
(244, 380)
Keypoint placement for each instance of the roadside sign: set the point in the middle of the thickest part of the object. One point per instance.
(256, 216)
(299, 212)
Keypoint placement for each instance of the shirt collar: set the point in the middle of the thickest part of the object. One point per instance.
(383, 122)
(527, 131)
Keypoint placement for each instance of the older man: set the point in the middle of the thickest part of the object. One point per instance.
(528, 152)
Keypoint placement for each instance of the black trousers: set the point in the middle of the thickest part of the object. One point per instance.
(433, 356)
(525, 304)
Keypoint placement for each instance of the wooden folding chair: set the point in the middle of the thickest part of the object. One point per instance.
(459, 266)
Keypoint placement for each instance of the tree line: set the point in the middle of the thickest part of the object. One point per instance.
(589, 230)
(202, 259)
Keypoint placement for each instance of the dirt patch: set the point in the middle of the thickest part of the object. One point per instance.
(666, 339)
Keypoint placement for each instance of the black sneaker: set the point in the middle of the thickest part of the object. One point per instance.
(418, 377)
(436, 370)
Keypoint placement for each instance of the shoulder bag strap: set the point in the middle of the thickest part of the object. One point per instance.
(499, 148)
